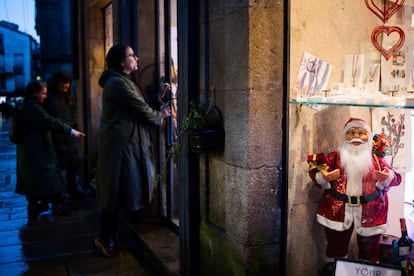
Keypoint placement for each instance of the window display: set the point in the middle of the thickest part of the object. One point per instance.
(353, 59)
(380, 74)
(355, 183)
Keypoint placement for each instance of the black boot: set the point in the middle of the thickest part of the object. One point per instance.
(60, 206)
(35, 208)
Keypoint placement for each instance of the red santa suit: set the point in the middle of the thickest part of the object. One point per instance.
(364, 209)
(369, 218)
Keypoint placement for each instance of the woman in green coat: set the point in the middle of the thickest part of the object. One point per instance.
(124, 169)
(37, 168)
(61, 105)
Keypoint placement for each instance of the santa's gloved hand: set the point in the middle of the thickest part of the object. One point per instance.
(384, 178)
(381, 175)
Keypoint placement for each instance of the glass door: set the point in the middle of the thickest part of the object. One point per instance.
(168, 70)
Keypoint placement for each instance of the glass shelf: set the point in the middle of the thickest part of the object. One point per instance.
(389, 103)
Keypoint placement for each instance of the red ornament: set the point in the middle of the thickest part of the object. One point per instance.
(387, 30)
(384, 13)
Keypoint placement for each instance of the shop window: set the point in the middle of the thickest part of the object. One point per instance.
(346, 61)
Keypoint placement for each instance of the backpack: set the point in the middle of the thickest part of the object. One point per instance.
(16, 131)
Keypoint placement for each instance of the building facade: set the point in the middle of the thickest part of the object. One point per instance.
(250, 208)
(54, 27)
(19, 59)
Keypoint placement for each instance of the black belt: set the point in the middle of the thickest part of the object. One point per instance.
(355, 200)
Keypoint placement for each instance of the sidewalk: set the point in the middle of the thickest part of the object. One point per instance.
(52, 245)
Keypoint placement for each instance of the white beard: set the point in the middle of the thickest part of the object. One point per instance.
(356, 162)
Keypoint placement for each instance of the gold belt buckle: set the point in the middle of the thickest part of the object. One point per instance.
(358, 203)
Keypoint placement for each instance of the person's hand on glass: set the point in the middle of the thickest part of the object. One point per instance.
(164, 89)
(166, 110)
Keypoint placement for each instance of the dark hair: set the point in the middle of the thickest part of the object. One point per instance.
(115, 56)
(33, 88)
(55, 80)
(61, 76)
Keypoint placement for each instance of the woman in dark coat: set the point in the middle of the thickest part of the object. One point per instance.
(37, 168)
(124, 170)
(59, 104)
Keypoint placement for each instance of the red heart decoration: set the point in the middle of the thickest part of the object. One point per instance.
(387, 30)
(386, 12)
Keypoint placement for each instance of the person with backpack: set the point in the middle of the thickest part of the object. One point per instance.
(37, 167)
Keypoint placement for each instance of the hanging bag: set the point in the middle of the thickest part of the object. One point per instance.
(214, 124)
(213, 117)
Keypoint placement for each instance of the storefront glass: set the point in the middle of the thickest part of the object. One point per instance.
(348, 59)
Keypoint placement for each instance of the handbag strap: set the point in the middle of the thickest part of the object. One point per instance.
(212, 98)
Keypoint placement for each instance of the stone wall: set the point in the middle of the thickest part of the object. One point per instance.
(240, 229)
(95, 65)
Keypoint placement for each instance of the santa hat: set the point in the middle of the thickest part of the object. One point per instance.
(356, 122)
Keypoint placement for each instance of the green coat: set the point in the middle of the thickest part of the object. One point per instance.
(66, 146)
(37, 167)
(125, 171)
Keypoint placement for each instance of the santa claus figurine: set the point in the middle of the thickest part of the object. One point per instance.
(355, 187)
